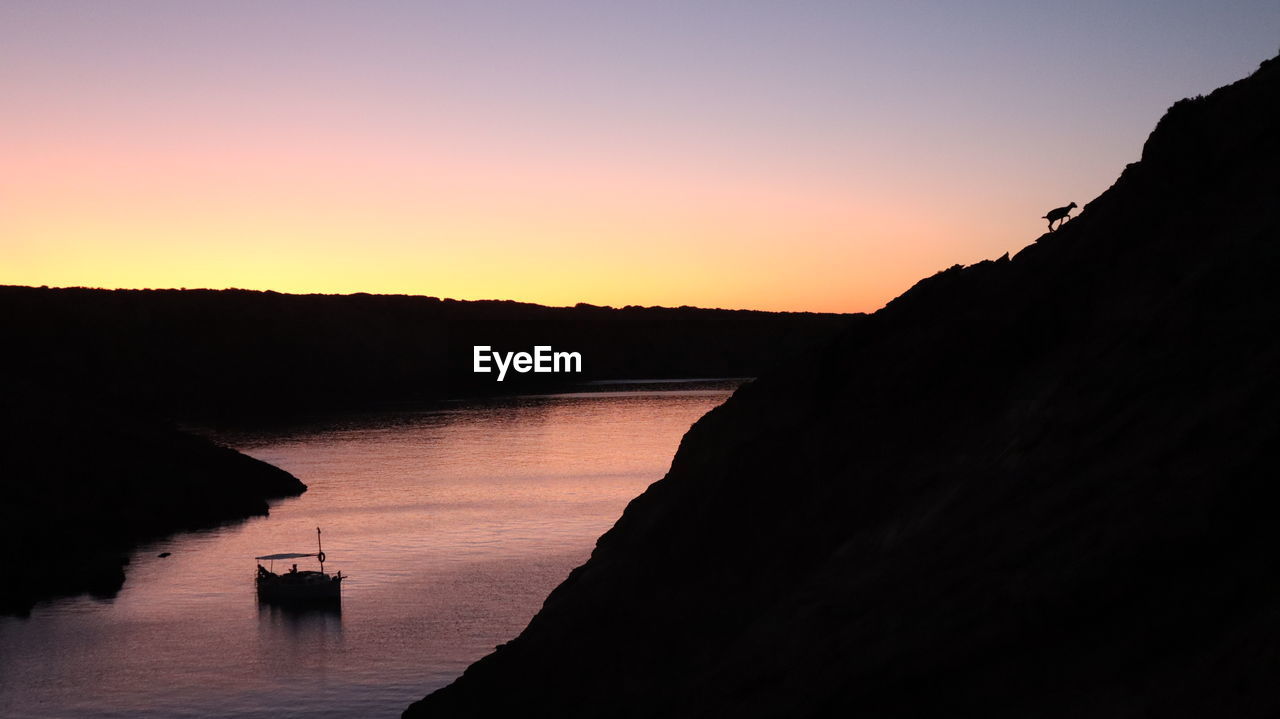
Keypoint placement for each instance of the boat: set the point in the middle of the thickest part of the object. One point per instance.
(297, 585)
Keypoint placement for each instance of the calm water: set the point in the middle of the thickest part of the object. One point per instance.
(453, 524)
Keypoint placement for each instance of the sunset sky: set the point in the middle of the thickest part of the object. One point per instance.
(787, 155)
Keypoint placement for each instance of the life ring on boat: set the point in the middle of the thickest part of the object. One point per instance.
(320, 556)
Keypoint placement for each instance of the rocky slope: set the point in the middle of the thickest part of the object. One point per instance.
(1044, 486)
(80, 487)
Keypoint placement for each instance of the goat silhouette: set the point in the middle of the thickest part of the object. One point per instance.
(1059, 215)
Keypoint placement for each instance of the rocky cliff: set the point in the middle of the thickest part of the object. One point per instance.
(1040, 486)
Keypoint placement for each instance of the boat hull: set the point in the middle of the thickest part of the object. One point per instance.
(299, 586)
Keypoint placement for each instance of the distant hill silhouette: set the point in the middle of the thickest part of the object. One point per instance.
(228, 354)
(90, 464)
(1044, 486)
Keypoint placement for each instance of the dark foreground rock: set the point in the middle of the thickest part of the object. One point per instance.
(80, 487)
(1044, 486)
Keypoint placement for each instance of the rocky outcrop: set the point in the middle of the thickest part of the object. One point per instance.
(81, 486)
(1041, 486)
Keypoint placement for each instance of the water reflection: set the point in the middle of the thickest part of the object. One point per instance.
(454, 522)
(300, 623)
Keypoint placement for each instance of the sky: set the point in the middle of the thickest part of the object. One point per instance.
(812, 156)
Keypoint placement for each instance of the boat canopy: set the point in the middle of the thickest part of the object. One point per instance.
(286, 555)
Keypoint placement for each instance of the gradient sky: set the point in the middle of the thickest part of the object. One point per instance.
(787, 155)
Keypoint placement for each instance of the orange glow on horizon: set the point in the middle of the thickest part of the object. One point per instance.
(366, 218)
(755, 157)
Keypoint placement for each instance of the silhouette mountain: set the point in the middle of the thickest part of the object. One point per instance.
(1044, 486)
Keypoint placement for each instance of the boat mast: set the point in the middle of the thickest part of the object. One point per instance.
(319, 550)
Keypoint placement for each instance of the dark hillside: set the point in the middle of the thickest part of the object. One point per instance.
(80, 486)
(233, 353)
(1044, 486)
(90, 464)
